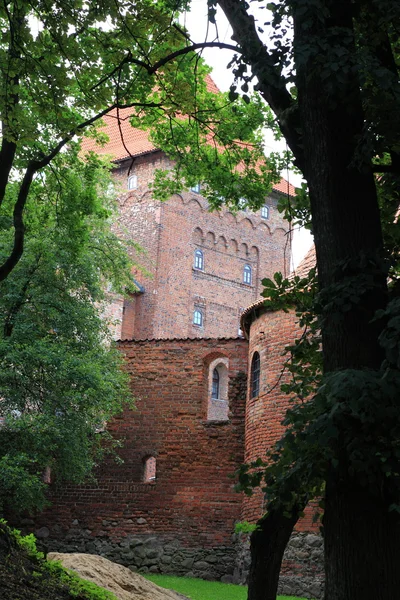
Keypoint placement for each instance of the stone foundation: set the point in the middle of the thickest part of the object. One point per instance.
(149, 554)
(302, 572)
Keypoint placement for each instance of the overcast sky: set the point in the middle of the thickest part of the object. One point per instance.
(200, 30)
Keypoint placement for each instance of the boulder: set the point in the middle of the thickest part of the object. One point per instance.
(119, 580)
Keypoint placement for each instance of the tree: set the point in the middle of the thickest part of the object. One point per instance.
(60, 377)
(64, 65)
(341, 121)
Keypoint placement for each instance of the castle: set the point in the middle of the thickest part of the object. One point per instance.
(191, 333)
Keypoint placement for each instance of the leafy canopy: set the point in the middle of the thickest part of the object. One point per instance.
(64, 65)
(60, 377)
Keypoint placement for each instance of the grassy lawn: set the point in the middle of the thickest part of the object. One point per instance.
(198, 589)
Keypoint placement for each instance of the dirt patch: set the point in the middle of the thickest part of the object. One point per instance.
(119, 580)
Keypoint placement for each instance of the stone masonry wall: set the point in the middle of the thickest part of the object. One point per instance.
(302, 572)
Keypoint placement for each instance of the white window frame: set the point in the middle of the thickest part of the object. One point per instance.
(247, 274)
(265, 211)
(132, 182)
(199, 259)
(198, 322)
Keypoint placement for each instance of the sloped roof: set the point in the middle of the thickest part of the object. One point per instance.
(126, 141)
(308, 263)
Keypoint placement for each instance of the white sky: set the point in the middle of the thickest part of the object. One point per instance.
(196, 23)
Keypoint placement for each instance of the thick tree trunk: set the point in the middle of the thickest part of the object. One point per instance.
(362, 549)
(325, 131)
(360, 534)
(267, 545)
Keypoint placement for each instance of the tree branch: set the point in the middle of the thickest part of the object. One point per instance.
(271, 84)
(151, 69)
(19, 228)
(33, 167)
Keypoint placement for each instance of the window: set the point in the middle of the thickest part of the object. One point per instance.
(132, 182)
(215, 384)
(265, 212)
(149, 469)
(198, 318)
(217, 389)
(255, 375)
(196, 188)
(199, 260)
(247, 274)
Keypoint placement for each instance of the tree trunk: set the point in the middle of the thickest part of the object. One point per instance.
(362, 549)
(267, 545)
(361, 535)
(325, 132)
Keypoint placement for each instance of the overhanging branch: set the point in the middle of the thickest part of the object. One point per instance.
(271, 84)
(151, 69)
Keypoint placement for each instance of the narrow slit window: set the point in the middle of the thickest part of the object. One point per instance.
(149, 469)
(198, 318)
(132, 182)
(199, 260)
(265, 212)
(255, 375)
(247, 274)
(215, 385)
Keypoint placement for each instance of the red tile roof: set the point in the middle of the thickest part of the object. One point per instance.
(126, 141)
(308, 263)
(285, 187)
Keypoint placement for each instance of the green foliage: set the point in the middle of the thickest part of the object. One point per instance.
(350, 416)
(80, 588)
(53, 572)
(245, 527)
(221, 147)
(64, 66)
(60, 376)
(198, 589)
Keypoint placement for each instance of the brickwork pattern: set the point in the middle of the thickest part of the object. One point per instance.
(192, 499)
(170, 233)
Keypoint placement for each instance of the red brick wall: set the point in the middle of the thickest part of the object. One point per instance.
(192, 497)
(170, 233)
(270, 332)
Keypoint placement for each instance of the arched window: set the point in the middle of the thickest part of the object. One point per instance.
(265, 212)
(247, 274)
(198, 318)
(132, 182)
(255, 375)
(199, 260)
(149, 469)
(217, 389)
(215, 384)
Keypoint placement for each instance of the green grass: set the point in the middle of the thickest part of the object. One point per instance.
(198, 589)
